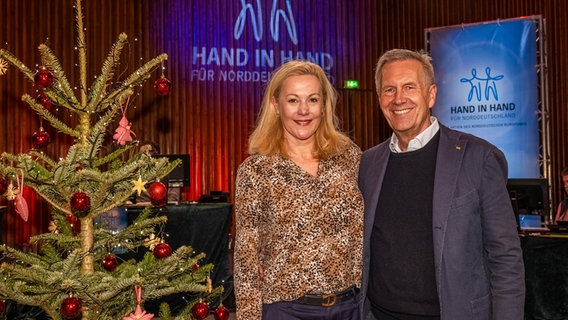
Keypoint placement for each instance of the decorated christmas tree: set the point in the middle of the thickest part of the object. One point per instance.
(75, 273)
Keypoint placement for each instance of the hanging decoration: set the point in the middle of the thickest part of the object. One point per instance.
(80, 204)
(110, 263)
(3, 67)
(44, 100)
(158, 192)
(2, 306)
(162, 251)
(221, 313)
(71, 307)
(44, 78)
(123, 132)
(152, 241)
(200, 310)
(162, 85)
(20, 204)
(139, 314)
(139, 185)
(52, 227)
(41, 138)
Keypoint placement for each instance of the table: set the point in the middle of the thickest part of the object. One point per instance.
(546, 274)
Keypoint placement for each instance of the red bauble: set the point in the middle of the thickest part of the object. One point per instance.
(195, 267)
(221, 313)
(3, 185)
(110, 263)
(200, 311)
(74, 223)
(71, 308)
(162, 86)
(41, 138)
(2, 306)
(158, 192)
(80, 204)
(44, 100)
(162, 251)
(44, 78)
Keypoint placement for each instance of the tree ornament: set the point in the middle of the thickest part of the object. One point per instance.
(3, 67)
(110, 262)
(200, 310)
(80, 204)
(41, 138)
(52, 227)
(3, 185)
(139, 185)
(71, 307)
(44, 78)
(44, 100)
(158, 192)
(12, 191)
(195, 267)
(162, 251)
(162, 86)
(139, 314)
(74, 223)
(152, 241)
(123, 132)
(20, 204)
(221, 313)
(2, 306)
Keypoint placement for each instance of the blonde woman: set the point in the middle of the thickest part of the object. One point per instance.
(299, 212)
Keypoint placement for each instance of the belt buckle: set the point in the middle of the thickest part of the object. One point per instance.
(329, 300)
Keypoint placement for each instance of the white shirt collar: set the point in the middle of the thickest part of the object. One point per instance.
(420, 140)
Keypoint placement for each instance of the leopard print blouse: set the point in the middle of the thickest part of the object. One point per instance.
(305, 232)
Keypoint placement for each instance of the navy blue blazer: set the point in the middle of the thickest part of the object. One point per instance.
(478, 259)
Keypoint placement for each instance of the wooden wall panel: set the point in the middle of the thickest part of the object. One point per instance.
(211, 120)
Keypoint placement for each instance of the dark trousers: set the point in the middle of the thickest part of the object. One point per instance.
(289, 310)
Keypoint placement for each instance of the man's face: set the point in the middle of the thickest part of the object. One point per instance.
(405, 98)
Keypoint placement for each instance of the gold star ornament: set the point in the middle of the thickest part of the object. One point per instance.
(139, 185)
(3, 66)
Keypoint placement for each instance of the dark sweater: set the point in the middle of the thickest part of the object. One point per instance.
(402, 277)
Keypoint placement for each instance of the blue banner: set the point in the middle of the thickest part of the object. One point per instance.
(487, 86)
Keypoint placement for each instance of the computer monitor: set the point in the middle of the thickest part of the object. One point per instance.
(529, 196)
(179, 177)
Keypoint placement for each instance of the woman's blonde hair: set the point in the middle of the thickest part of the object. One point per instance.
(268, 136)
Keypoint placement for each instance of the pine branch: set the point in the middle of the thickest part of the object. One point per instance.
(22, 258)
(113, 156)
(136, 78)
(8, 56)
(50, 61)
(100, 85)
(53, 120)
(43, 157)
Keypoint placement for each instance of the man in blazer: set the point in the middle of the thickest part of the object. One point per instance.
(441, 238)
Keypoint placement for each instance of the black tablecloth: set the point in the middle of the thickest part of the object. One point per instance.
(203, 226)
(546, 274)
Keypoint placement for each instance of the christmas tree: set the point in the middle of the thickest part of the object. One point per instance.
(75, 273)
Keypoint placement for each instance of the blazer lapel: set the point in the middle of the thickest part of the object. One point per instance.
(372, 181)
(448, 163)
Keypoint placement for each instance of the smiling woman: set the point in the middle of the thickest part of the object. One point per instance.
(297, 201)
